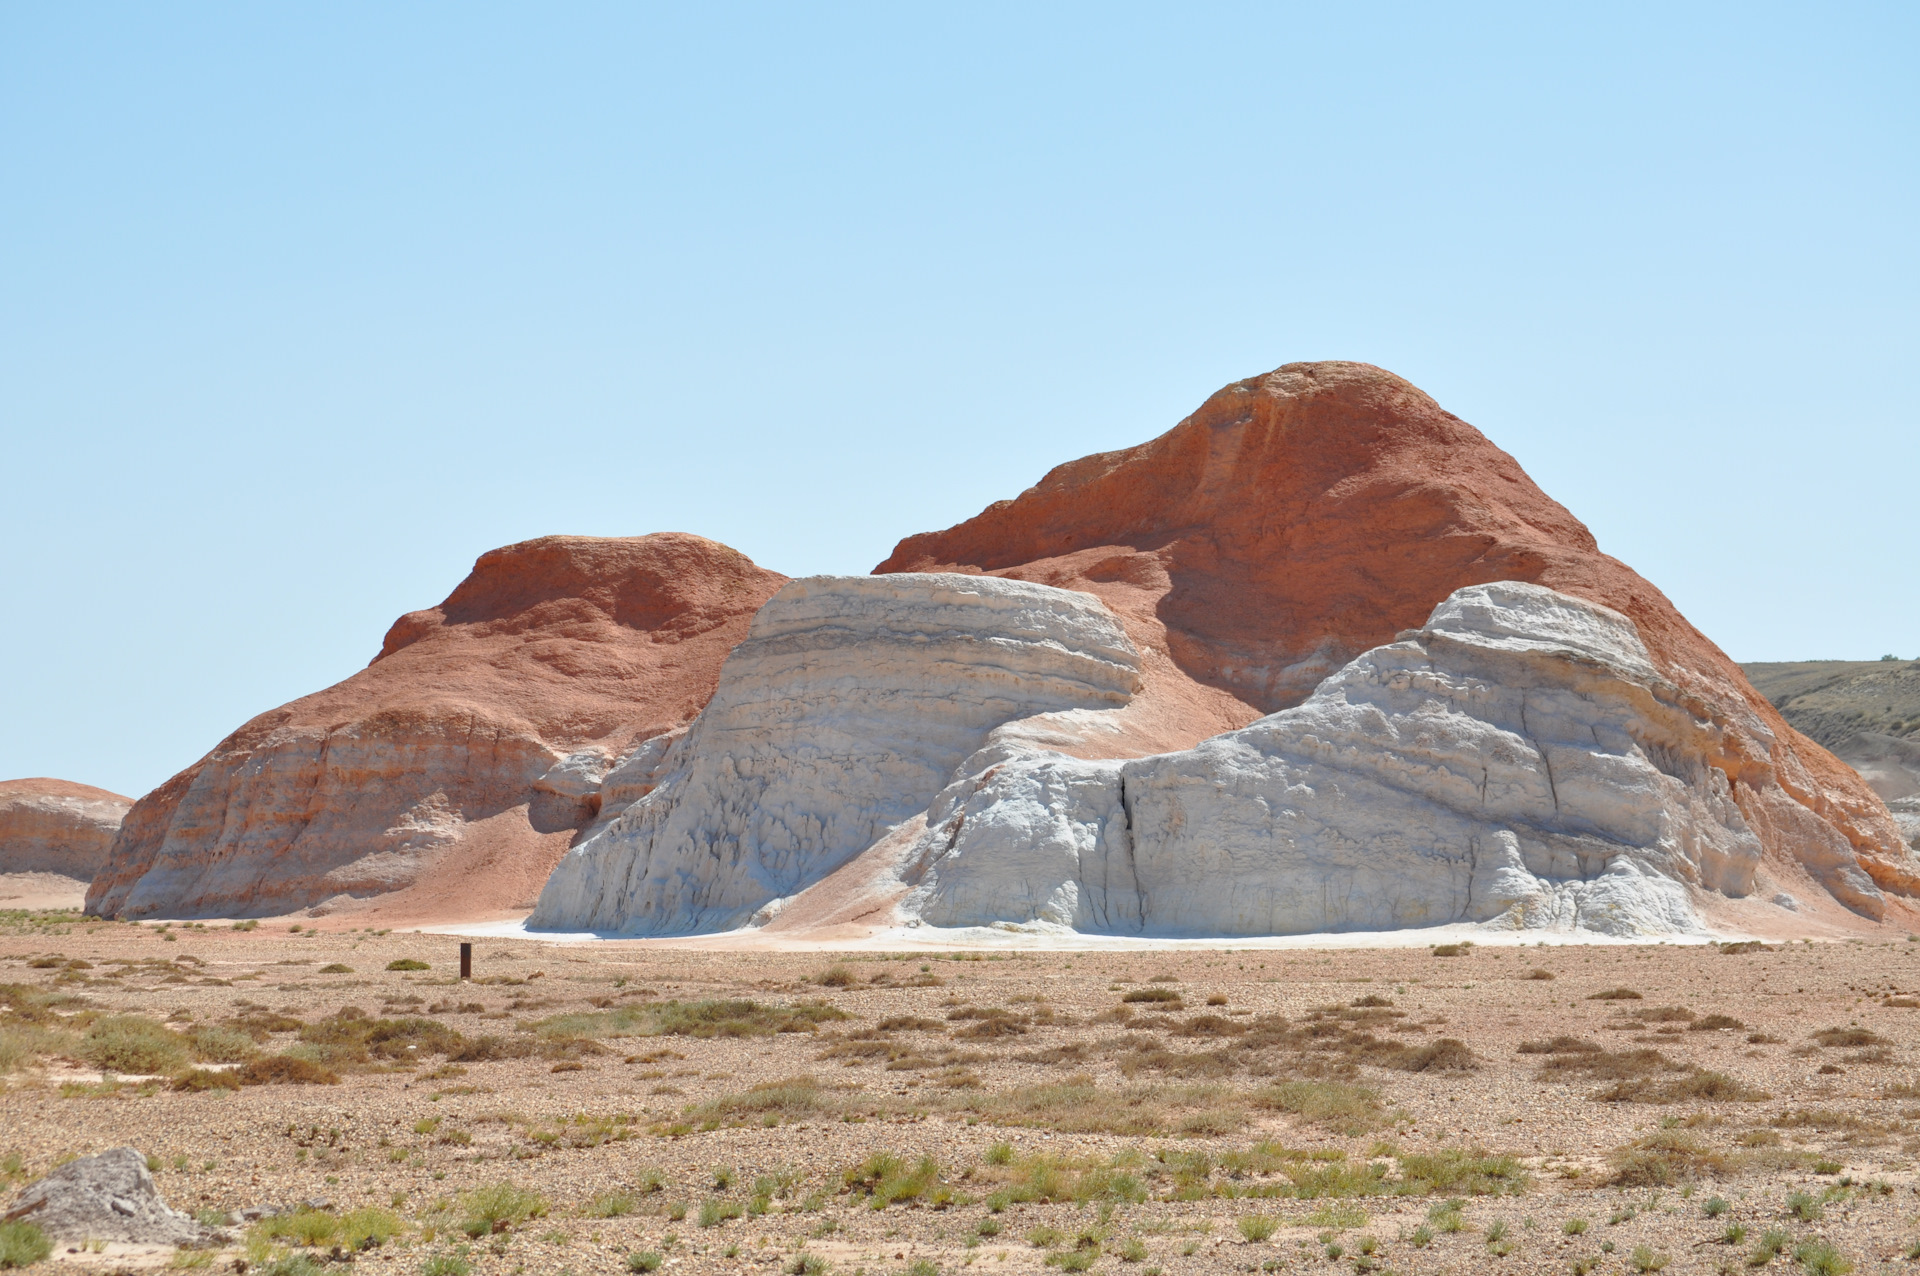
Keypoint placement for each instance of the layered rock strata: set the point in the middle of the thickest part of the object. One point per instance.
(843, 713)
(1300, 518)
(1516, 759)
(448, 776)
(58, 827)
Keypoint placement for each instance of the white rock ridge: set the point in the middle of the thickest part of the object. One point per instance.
(844, 712)
(1518, 760)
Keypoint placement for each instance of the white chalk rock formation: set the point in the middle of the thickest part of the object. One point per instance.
(843, 713)
(1518, 759)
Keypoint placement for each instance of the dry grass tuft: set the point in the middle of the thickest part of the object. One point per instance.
(1448, 1054)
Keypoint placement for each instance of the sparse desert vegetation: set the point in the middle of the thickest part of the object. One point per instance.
(634, 1108)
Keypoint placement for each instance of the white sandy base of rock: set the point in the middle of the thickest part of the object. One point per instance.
(41, 891)
(1052, 939)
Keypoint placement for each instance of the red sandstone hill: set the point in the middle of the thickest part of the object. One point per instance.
(419, 779)
(1301, 517)
(57, 826)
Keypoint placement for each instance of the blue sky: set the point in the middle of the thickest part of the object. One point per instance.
(304, 307)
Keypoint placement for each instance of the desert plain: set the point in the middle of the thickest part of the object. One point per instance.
(621, 1107)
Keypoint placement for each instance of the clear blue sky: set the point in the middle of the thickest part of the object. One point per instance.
(302, 307)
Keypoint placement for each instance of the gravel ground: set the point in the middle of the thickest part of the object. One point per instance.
(416, 1137)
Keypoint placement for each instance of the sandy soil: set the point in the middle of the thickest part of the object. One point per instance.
(1044, 1056)
(38, 891)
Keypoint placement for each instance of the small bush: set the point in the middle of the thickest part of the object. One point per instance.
(199, 1080)
(23, 1244)
(286, 1069)
(1849, 1037)
(1559, 1045)
(1256, 1227)
(837, 976)
(133, 1044)
(1346, 1109)
(645, 1260)
(338, 968)
(1448, 1054)
(1538, 973)
(455, 1263)
(1713, 1023)
(610, 1205)
(1773, 1242)
(369, 1227)
(1615, 994)
(407, 963)
(715, 1212)
(1574, 1227)
(1150, 996)
(1820, 1258)
(500, 1207)
(1804, 1206)
(217, 1043)
(1646, 1260)
(1450, 950)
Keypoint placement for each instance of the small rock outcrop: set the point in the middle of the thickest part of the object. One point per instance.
(1300, 518)
(1517, 759)
(445, 779)
(108, 1197)
(843, 713)
(55, 826)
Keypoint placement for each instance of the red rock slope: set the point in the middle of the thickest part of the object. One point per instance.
(414, 781)
(56, 826)
(1301, 517)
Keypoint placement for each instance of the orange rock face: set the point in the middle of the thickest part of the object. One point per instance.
(425, 786)
(1302, 517)
(56, 826)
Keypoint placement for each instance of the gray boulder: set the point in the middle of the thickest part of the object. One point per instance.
(108, 1197)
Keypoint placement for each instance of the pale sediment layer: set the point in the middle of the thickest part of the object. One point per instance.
(843, 713)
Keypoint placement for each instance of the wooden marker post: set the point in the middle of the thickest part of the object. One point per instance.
(466, 961)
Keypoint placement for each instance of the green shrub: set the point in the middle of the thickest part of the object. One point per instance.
(807, 1265)
(501, 1207)
(610, 1205)
(407, 963)
(133, 1044)
(1804, 1206)
(645, 1260)
(1820, 1258)
(455, 1263)
(715, 1212)
(286, 1069)
(338, 968)
(216, 1043)
(1256, 1227)
(21, 1044)
(195, 1080)
(369, 1227)
(23, 1244)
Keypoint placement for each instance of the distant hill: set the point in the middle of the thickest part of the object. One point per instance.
(1866, 711)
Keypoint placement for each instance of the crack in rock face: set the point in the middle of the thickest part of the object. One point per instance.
(1517, 760)
(843, 713)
